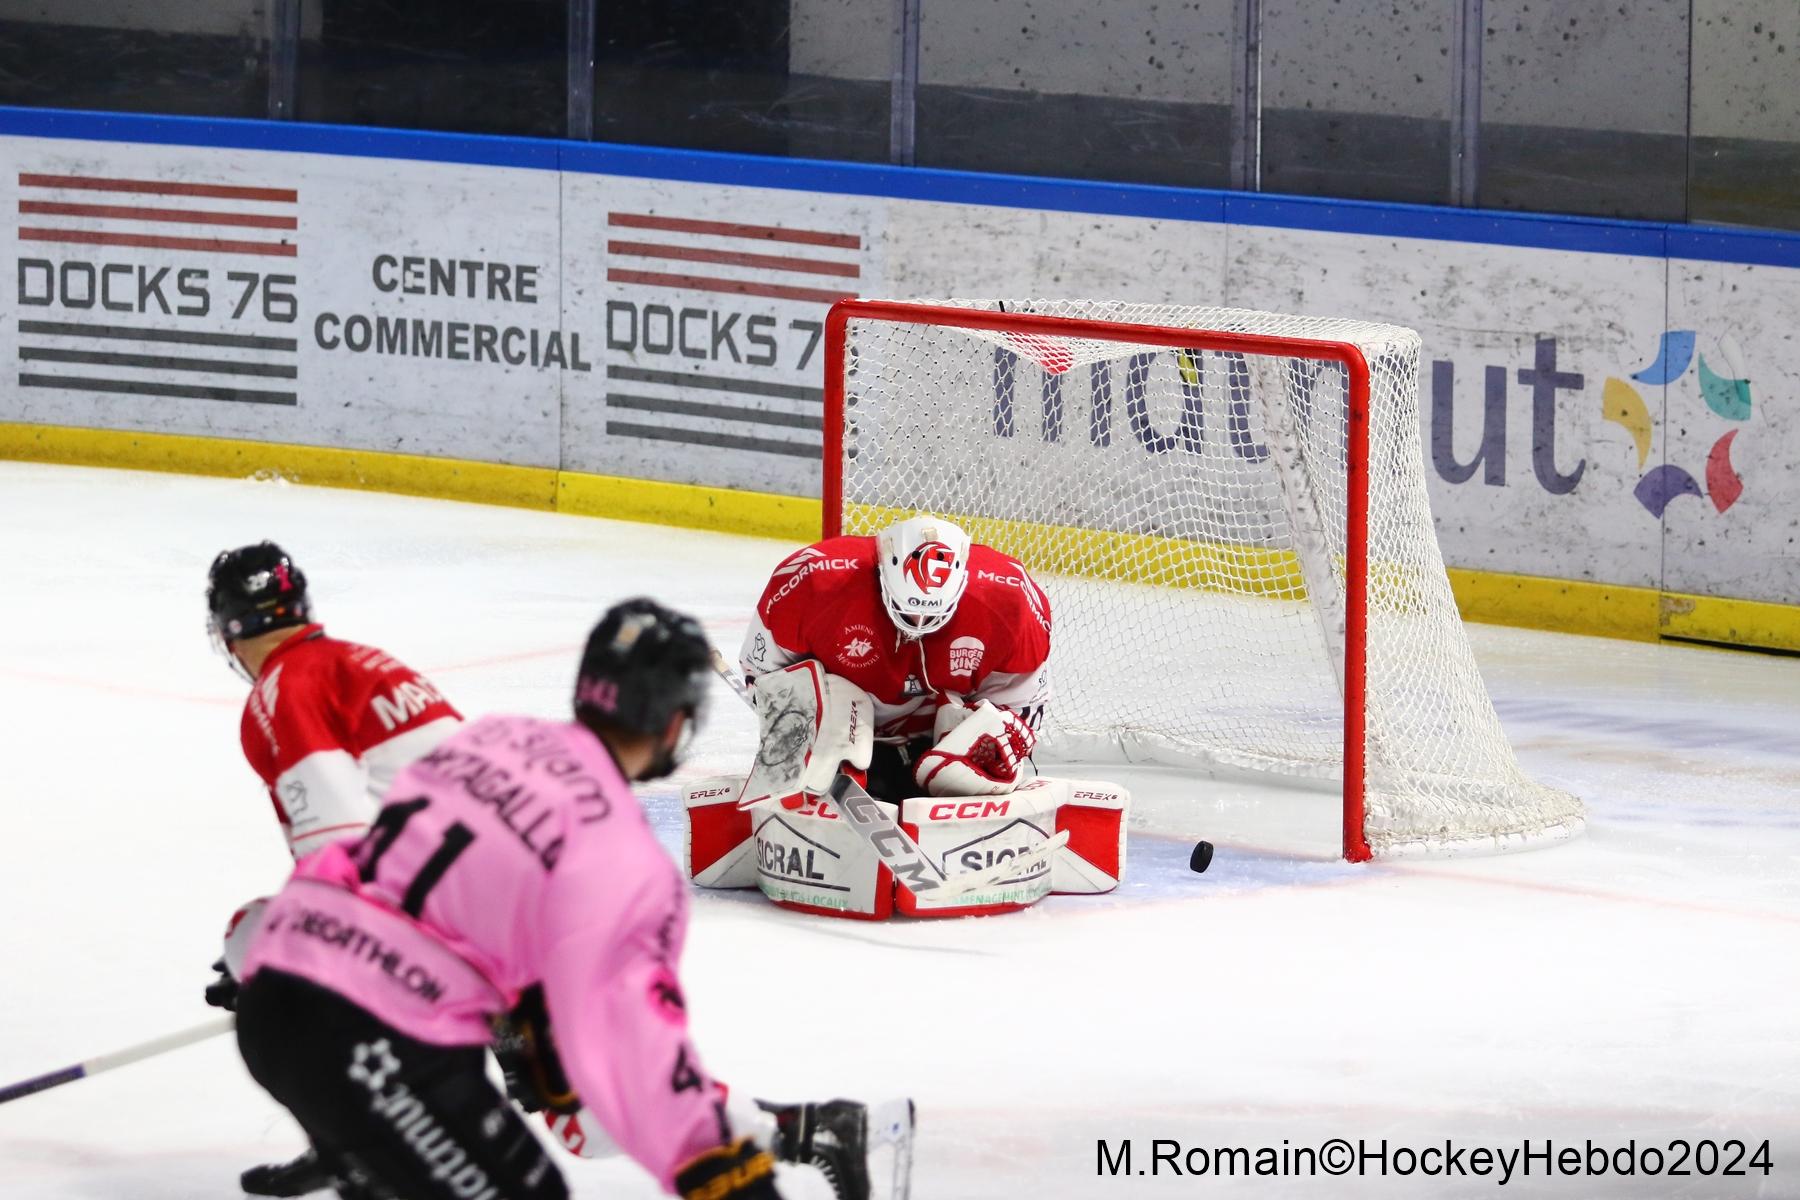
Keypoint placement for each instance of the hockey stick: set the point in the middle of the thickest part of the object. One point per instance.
(911, 866)
(118, 1058)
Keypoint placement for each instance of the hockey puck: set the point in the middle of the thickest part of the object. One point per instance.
(1201, 858)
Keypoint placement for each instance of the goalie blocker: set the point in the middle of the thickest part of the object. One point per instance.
(773, 830)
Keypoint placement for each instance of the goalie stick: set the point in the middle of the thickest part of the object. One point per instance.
(911, 866)
(118, 1058)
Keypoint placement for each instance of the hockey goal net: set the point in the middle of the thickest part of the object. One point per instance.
(1228, 511)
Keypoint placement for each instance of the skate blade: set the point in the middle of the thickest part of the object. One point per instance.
(891, 1149)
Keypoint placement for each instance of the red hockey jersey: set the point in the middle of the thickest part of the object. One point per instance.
(824, 602)
(327, 727)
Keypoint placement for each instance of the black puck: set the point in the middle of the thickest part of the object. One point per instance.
(1201, 858)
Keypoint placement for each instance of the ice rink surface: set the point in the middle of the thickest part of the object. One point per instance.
(1640, 983)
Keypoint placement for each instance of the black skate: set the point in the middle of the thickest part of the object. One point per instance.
(837, 1137)
(297, 1178)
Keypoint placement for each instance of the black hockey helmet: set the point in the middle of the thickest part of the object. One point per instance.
(643, 664)
(255, 589)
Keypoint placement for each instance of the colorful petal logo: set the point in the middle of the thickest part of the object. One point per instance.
(1623, 406)
(1727, 394)
(1662, 485)
(1722, 482)
(1672, 358)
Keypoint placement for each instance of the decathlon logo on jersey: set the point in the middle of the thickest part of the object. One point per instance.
(930, 565)
(965, 655)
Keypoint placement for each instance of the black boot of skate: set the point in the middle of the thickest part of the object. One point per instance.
(296, 1178)
(833, 1136)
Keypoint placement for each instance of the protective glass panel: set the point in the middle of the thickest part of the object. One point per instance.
(1746, 113)
(206, 58)
(1356, 99)
(795, 78)
(1584, 110)
(468, 66)
(1132, 90)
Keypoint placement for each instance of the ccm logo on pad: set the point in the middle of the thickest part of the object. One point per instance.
(968, 810)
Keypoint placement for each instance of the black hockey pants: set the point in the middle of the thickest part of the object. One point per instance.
(391, 1116)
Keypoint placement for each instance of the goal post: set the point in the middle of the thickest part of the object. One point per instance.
(1227, 509)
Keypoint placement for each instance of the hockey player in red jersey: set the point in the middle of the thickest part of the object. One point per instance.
(328, 724)
(921, 660)
(326, 727)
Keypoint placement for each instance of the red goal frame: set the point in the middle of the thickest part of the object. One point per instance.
(837, 322)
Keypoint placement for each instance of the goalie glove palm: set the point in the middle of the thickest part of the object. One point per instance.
(979, 752)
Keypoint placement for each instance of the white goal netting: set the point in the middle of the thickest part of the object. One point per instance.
(1188, 510)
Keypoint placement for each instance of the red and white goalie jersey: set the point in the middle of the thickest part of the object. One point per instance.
(328, 725)
(825, 602)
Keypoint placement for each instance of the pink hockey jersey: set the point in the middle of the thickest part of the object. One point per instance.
(515, 853)
(824, 602)
(326, 727)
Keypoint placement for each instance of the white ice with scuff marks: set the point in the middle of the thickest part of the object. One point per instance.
(1641, 982)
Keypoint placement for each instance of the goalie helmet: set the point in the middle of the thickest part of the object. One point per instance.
(643, 664)
(923, 564)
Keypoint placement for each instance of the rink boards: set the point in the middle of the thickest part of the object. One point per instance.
(1607, 420)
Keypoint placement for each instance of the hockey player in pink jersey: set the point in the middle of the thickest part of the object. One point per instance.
(512, 855)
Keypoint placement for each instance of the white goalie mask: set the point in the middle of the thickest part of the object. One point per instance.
(923, 564)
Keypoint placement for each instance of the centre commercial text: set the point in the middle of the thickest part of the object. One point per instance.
(456, 341)
(653, 329)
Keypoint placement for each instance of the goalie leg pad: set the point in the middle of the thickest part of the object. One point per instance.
(1094, 814)
(810, 860)
(973, 834)
(721, 852)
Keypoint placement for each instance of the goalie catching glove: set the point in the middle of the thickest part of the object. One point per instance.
(979, 751)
